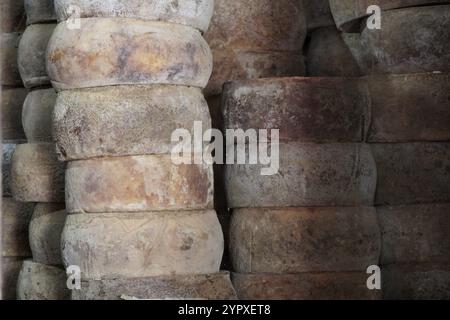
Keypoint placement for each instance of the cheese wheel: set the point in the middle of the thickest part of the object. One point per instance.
(309, 175)
(9, 42)
(46, 227)
(328, 55)
(415, 233)
(15, 219)
(37, 115)
(8, 150)
(304, 286)
(303, 109)
(254, 25)
(215, 286)
(41, 282)
(347, 12)
(32, 55)
(36, 175)
(429, 281)
(143, 244)
(40, 11)
(119, 51)
(234, 64)
(410, 107)
(412, 173)
(424, 46)
(12, 102)
(138, 183)
(296, 240)
(196, 14)
(125, 120)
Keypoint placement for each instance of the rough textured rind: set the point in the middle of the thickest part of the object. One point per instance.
(345, 12)
(37, 115)
(125, 120)
(411, 107)
(8, 150)
(196, 14)
(12, 102)
(411, 40)
(143, 244)
(46, 227)
(304, 286)
(15, 219)
(42, 282)
(255, 39)
(310, 175)
(297, 240)
(303, 109)
(328, 55)
(40, 11)
(119, 51)
(10, 272)
(258, 24)
(139, 183)
(418, 233)
(318, 14)
(215, 286)
(32, 55)
(416, 282)
(412, 173)
(10, 75)
(233, 64)
(36, 174)
(12, 16)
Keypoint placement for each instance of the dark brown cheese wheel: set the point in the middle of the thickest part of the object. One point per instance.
(347, 12)
(46, 227)
(119, 51)
(36, 174)
(12, 16)
(42, 282)
(410, 107)
(138, 183)
(412, 173)
(143, 244)
(309, 175)
(303, 109)
(37, 115)
(329, 56)
(196, 14)
(429, 281)
(32, 55)
(415, 233)
(16, 217)
(215, 286)
(8, 60)
(422, 46)
(40, 11)
(296, 240)
(125, 120)
(304, 286)
(12, 102)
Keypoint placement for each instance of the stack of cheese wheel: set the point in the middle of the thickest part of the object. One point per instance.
(251, 39)
(15, 215)
(36, 175)
(407, 63)
(326, 52)
(309, 230)
(129, 73)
